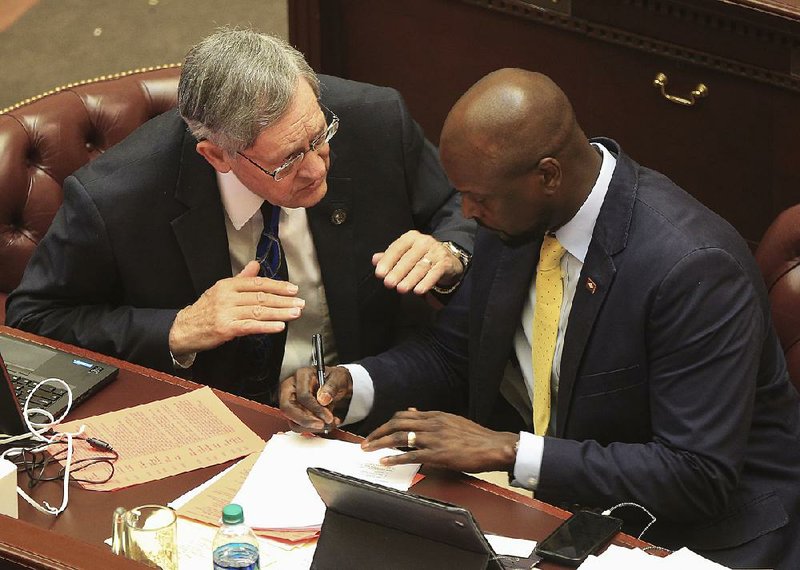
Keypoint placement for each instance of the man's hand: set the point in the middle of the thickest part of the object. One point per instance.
(444, 440)
(417, 261)
(241, 305)
(310, 408)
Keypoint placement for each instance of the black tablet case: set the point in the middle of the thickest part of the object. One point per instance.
(372, 526)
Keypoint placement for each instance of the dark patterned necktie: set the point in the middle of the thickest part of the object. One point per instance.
(264, 352)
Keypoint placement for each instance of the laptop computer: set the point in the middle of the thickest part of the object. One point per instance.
(23, 364)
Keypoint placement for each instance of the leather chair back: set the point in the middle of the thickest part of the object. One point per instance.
(45, 139)
(778, 256)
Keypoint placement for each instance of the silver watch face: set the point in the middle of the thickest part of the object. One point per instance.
(462, 255)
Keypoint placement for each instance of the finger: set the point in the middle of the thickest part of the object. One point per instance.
(338, 385)
(430, 279)
(246, 313)
(415, 456)
(396, 250)
(300, 418)
(265, 284)
(376, 257)
(250, 270)
(414, 264)
(306, 390)
(391, 440)
(402, 423)
(265, 299)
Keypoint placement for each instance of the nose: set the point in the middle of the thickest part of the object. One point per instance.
(469, 209)
(314, 164)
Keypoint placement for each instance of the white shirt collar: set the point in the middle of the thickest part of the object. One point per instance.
(576, 234)
(239, 202)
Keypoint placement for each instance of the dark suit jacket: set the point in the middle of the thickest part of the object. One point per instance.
(673, 391)
(141, 234)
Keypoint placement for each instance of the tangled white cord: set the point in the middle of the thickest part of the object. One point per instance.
(36, 431)
(652, 517)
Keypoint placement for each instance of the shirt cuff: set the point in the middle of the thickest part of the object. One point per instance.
(528, 465)
(184, 362)
(363, 394)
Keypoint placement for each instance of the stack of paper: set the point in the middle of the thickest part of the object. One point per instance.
(277, 494)
(620, 557)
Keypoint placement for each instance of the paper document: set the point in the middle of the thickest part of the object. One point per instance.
(164, 438)
(616, 557)
(278, 494)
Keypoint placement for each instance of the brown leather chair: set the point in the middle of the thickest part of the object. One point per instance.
(46, 138)
(778, 255)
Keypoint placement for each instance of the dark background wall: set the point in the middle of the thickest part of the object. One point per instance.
(48, 43)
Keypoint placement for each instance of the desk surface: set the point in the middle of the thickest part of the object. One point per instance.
(75, 538)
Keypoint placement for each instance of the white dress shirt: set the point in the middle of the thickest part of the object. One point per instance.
(244, 225)
(575, 236)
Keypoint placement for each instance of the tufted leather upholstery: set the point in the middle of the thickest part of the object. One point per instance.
(45, 139)
(778, 255)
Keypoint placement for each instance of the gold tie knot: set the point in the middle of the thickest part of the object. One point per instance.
(551, 253)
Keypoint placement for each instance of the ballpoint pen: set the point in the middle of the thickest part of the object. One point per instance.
(318, 358)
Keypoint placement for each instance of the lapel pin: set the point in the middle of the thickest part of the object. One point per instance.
(591, 285)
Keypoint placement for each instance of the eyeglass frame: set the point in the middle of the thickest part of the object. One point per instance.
(322, 139)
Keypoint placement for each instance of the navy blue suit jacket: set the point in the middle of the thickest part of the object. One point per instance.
(141, 234)
(673, 390)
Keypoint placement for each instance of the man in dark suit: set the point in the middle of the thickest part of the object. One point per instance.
(150, 258)
(666, 385)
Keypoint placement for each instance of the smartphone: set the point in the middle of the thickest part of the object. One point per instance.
(577, 537)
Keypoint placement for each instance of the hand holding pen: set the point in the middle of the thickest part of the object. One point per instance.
(318, 359)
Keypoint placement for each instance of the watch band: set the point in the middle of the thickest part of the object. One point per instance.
(464, 257)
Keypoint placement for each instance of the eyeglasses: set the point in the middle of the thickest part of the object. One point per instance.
(291, 163)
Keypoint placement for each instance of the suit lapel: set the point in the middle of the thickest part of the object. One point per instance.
(331, 222)
(505, 298)
(200, 230)
(593, 285)
(608, 239)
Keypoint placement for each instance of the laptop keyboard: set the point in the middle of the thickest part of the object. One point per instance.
(44, 396)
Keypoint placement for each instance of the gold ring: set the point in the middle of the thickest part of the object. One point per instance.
(411, 439)
(426, 260)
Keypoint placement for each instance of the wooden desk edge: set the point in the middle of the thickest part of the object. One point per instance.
(45, 537)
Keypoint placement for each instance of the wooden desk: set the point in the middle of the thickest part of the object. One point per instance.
(75, 538)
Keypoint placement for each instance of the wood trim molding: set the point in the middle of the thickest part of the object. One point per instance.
(526, 10)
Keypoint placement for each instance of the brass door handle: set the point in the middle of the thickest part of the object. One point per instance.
(700, 91)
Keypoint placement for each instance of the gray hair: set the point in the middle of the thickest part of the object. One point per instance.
(236, 83)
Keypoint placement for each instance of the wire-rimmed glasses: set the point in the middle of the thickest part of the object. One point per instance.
(291, 163)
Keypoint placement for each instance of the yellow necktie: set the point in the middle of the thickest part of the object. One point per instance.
(546, 314)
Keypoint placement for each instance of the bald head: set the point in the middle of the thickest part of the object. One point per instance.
(509, 119)
(512, 147)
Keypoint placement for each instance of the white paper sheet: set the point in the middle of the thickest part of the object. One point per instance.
(506, 546)
(278, 493)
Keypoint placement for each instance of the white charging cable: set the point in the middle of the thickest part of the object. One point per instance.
(652, 518)
(36, 431)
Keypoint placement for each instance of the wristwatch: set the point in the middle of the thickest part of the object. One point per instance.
(464, 257)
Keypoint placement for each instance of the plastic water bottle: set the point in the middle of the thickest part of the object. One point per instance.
(235, 545)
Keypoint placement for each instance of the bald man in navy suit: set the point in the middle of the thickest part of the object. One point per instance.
(668, 386)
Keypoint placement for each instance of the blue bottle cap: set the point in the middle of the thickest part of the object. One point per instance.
(232, 514)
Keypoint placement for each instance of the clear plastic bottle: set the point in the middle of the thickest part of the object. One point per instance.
(235, 545)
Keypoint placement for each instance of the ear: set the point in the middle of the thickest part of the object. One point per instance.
(550, 170)
(215, 156)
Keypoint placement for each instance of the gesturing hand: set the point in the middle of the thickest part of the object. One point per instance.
(444, 440)
(417, 261)
(241, 305)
